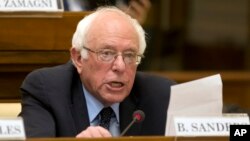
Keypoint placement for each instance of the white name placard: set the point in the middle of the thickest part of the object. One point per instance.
(208, 126)
(29, 5)
(12, 129)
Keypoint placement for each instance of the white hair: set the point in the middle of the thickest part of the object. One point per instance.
(79, 37)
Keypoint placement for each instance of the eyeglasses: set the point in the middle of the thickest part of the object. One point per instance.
(109, 55)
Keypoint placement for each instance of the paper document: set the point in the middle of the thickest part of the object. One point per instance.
(195, 98)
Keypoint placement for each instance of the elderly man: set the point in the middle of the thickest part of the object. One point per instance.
(101, 80)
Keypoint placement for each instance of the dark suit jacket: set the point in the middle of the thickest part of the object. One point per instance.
(53, 103)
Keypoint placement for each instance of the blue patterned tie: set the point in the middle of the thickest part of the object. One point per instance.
(106, 115)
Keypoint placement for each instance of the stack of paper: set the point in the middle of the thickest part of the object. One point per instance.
(202, 97)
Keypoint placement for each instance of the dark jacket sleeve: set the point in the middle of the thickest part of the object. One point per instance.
(38, 120)
(47, 101)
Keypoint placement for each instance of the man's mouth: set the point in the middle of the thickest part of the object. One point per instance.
(116, 84)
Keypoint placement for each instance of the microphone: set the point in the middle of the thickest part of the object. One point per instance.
(138, 116)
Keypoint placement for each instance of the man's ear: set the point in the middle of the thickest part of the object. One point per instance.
(76, 58)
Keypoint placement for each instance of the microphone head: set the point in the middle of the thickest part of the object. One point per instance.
(138, 115)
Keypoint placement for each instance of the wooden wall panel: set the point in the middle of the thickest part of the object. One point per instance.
(28, 43)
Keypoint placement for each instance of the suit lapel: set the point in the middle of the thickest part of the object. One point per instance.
(79, 107)
(127, 108)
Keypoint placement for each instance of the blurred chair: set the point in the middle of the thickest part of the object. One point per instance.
(10, 109)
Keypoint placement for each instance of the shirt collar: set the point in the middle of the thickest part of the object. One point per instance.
(94, 106)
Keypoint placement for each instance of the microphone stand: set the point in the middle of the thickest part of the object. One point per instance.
(131, 123)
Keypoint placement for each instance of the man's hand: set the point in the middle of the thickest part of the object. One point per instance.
(94, 132)
(138, 9)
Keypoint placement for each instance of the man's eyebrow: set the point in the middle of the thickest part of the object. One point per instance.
(108, 47)
(131, 49)
(114, 48)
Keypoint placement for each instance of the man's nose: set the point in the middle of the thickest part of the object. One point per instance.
(119, 64)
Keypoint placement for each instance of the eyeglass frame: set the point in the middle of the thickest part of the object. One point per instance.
(98, 53)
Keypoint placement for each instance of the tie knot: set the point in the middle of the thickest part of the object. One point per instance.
(106, 115)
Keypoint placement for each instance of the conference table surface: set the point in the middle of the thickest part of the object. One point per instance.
(142, 138)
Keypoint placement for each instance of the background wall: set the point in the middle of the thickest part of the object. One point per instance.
(198, 35)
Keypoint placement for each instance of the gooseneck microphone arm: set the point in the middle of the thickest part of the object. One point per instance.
(126, 129)
(138, 116)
